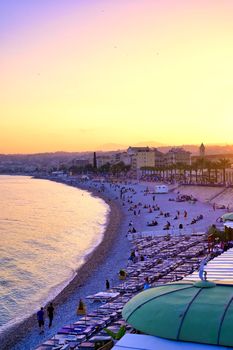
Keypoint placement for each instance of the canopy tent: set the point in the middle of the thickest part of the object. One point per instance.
(148, 342)
(218, 269)
(199, 312)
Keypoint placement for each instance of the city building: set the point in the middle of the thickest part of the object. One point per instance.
(143, 159)
(177, 155)
(159, 158)
(80, 163)
(104, 159)
(122, 157)
(215, 157)
(133, 150)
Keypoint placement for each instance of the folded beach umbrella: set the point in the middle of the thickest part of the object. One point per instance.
(227, 217)
(200, 312)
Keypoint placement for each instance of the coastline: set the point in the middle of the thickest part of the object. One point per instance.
(108, 257)
(12, 336)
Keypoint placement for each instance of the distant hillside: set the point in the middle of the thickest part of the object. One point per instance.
(194, 149)
(107, 147)
(149, 144)
(114, 147)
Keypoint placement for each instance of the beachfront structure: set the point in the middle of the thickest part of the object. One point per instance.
(159, 158)
(177, 155)
(102, 160)
(214, 157)
(122, 157)
(148, 342)
(218, 269)
(199, 312)
(161, 189)
(134, 150)
(214, 168)
(143, 159)
(228, 176)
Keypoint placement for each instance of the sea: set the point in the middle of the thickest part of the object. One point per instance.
(47, 229)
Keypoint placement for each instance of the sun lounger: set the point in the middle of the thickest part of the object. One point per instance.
(87, 346)
(103, 296)
(166, 261)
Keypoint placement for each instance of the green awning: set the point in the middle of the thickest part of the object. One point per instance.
(200, 313)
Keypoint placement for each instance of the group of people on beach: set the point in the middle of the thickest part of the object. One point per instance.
(151, 208)
(198, 218)
(135, 257)
(41, 317)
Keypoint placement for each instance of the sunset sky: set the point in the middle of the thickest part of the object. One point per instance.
(79, 74)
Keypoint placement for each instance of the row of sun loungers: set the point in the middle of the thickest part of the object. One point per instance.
(166, 260)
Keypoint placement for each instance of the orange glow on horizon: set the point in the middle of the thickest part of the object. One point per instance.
(96, 73)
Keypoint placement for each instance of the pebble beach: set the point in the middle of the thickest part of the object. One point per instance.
(113, 252)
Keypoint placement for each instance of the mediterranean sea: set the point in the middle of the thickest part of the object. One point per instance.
(46, 231)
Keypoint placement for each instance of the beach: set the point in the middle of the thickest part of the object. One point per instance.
(112, 253)
(88, 280)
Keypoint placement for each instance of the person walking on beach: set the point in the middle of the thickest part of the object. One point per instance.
(107, 284)
(40, 318)
(50, 311)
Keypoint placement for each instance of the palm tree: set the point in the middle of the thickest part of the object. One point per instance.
(180, 167)
(161, 172)
(189, 168)
(209, 166)
(215, 167)
(201, 163)
(195, 167)
(223, 165)
(171, 168)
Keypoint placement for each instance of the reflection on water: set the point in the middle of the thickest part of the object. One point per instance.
(46, 229)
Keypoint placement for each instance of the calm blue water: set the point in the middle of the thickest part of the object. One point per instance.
(46, 230)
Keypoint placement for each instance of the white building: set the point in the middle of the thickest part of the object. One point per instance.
(143, 159)
(177, 155)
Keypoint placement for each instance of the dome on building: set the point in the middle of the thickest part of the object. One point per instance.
(199, 312)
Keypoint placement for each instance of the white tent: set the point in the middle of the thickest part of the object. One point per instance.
(148, 342)
(161, 189)
(218, 269)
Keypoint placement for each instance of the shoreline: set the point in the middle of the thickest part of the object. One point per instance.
(12, 336)
(112, 256)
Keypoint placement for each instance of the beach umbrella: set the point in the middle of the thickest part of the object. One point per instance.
(227, 217)
(200, 312)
